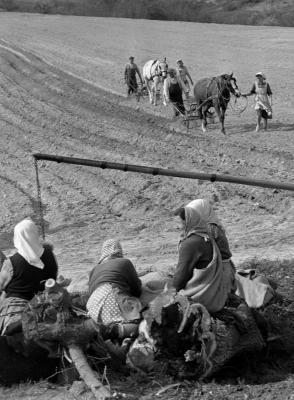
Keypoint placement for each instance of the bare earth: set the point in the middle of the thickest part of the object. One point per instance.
(52, 73)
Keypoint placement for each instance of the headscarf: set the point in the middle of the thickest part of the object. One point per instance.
(204, 208)
(110, 249)
(193, 225)
(27, 242)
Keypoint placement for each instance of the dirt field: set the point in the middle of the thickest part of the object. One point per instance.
(52, 73)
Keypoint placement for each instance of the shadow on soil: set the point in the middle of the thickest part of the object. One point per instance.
(250, 128)
(272, 365)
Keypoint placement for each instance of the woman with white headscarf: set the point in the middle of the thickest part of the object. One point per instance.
(214, 225)
(201, 274)
(114, 288)
(249, 285)
(24, 273)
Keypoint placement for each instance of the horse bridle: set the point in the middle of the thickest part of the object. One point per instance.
(157, 69)
(228, 86)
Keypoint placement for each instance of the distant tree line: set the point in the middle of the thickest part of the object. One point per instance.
(252, 12)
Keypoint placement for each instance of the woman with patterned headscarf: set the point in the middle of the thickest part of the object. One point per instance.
(23, 274)
(114, 288)
(200, 273)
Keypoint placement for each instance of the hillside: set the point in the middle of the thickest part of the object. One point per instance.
(62, 92)
(243, 12)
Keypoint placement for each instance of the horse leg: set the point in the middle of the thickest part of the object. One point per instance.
(147, 82)
(155, 86)
(164, 100)
(200, 115)
(221, 115)
(204, 118)
(222, 120)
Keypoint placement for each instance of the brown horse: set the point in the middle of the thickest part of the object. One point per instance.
(215, 92)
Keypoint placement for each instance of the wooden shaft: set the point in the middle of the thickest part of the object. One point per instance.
(166, 172)
(87, 374)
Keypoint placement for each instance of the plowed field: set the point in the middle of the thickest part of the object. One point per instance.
(62, 93)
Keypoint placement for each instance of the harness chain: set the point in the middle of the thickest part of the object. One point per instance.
(41, 214)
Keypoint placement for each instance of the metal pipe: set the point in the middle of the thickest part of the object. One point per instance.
(165, 172)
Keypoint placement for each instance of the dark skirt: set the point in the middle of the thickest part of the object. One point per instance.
(11, 309)
(265, 115)
(176, 97)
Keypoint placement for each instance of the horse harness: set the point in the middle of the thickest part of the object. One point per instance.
(157, 69)
(214, 78)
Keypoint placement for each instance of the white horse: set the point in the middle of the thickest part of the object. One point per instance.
(154, 71)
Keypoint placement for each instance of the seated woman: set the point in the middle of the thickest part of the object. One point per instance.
(249, 285)
(215, 227)
(200, 273)
(115, 288)
(23, 275)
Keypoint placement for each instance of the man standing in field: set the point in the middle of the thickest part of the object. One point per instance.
(183, 73)
(172, 91)
(131, 70)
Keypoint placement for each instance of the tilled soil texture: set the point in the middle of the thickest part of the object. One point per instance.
(52, 70)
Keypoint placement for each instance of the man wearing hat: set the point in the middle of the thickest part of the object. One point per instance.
(263, 100)
(183, 73)
(131, 70)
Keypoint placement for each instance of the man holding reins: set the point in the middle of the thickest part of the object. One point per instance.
(131, 70)
(183, 73)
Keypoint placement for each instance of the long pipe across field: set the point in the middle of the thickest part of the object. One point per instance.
(165, 172)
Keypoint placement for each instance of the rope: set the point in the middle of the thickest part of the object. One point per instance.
(234, 109)
(40, 208)
(11, 313)
(178, 110)
(241, 109)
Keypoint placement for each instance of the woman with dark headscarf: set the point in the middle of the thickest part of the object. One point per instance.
(114, 288)
(200, 273)
(23, 274)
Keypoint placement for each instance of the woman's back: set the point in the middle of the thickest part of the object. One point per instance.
(195, 252)
(27, 280)
(118, 271)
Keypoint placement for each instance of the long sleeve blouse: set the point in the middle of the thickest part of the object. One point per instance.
(194, 252)
(118, 271)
